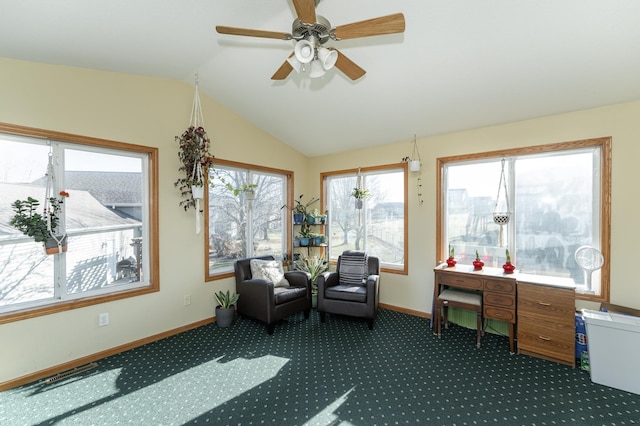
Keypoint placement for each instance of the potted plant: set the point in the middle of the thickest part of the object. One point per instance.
(451, 261)
(314, 266)
(226, 307)
(508, 266)
(41, 227)
(360, 194)
(305, 235)
(300, 209)
(478, 263)
(194, 145)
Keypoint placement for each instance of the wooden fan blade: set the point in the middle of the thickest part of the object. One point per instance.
(389, 24)
(348, 67)
(306, 10)
(284, 70)
(252, 33)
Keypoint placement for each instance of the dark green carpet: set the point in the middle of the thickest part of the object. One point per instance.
(337, 373)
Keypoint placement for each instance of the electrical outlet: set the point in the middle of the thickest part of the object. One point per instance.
(187, 299)
(103, 319)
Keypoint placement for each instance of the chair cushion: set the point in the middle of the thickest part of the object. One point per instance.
(353, 268)
(461, 297)
(287, 294)
(351, 293)
(269, 270)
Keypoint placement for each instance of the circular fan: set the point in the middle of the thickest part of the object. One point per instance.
(312, 31)
(590, 260)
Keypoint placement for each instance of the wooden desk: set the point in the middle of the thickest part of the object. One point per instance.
(498, 291)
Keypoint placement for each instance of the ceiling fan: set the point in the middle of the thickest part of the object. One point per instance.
(311, 31)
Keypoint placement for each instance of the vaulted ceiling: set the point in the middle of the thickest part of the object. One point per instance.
(460, 64)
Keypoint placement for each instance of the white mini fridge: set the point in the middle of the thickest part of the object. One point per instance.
(614, 348)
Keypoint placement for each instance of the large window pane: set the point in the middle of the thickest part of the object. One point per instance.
(555, 205)
(379, 226)
(106, 219)
(238, 226)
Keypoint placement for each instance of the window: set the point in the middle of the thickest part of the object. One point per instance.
(380, 226)
(106, 218)
(559, 201)
(239, 227)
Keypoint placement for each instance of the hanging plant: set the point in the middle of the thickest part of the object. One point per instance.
(193, 152)
(501, 212)
(41, 227)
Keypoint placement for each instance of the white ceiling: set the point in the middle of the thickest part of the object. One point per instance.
(460, 64)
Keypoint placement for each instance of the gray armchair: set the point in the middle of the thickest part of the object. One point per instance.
(356, 293)
(264, 301)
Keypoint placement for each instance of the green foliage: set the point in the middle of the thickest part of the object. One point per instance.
(508, 256)
(33, 224)
(301, 207)
(226, 300)
(313, 265)
(451, 251)
(360, 194)
(194, 145)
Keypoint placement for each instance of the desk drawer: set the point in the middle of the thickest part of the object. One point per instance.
(546, 339)
(547, 302)
(499, 314)
(499, 299)
(460, 281)
(500, 286)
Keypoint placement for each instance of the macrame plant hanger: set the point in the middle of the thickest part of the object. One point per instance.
(359, 202)
(197, 189)
(47, 208)
(501, 213)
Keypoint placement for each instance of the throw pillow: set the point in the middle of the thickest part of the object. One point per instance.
(269, 270)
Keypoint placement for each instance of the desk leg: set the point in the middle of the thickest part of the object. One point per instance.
(511, 337)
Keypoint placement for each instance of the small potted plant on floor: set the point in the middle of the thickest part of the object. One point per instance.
(314, 266)
(226, 307)
(41, 227)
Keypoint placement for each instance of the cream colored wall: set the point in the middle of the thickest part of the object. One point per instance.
(151, 111)
(145, 111)
(414, 291)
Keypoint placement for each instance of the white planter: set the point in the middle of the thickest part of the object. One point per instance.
(414, 165)
(197, 191)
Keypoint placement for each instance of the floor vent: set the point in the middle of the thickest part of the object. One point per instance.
(70, 373)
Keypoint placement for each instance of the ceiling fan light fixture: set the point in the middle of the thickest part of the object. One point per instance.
(327, 57)
(317, 69)
(305, 51)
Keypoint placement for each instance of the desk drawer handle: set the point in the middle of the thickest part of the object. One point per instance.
(459, 281)
(498, 314)
(544, 303)
(547, 339)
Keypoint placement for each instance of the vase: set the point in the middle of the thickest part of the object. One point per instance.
(224, 316)
(358, 204)
(304, 241)
(51, 245)
(310, 218)
(509, 268)
(298, 218)
(478, 264)
(451, 262)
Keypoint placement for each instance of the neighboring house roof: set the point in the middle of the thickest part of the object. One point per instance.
(82, 209)
(109, 188)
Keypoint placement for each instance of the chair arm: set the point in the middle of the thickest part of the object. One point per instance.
(256, 291)
(326, 280)
(298, 279)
